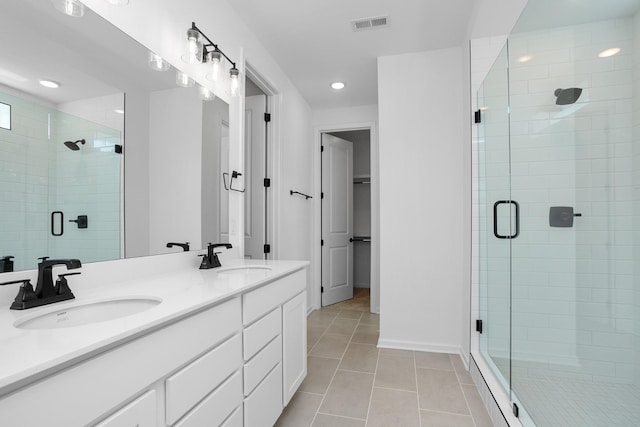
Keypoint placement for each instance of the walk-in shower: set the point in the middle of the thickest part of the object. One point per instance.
(557, 224)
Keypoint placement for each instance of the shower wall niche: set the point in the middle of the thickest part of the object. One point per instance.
(39, 175)
(560, 304)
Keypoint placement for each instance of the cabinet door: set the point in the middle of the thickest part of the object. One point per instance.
(141, 412)
(294, 345)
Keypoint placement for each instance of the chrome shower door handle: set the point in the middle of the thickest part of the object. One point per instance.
(495, 219)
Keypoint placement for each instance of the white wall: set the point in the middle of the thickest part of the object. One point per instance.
(421, 210)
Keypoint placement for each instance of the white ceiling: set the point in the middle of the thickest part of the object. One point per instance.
(315, 45)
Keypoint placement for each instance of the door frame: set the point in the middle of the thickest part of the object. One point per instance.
(274, 107)
(316, 267)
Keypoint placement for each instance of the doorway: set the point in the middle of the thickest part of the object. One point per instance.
(346, 217)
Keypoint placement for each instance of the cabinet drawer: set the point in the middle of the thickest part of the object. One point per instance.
(264, 405)
(216, 407)
(259, 302)
(235, 419)
(140, 413)
(260, 333)
(188, 386)
(261, 365)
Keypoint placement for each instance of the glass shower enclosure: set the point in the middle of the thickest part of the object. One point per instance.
(559, 214)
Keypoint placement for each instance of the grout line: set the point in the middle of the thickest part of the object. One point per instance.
(466, 401)
(341, 416)
(373, 384)
(415, 376)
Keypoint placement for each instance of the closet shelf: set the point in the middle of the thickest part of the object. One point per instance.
(361, 239)
(362, 180)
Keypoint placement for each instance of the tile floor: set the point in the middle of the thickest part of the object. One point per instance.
(352, 383)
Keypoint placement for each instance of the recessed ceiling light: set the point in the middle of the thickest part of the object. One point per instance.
(525, 58)
(50, 84)
(119, 111)
(609, 52)
(337, 85)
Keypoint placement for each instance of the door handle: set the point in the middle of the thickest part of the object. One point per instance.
(495, 219)
(53, 223)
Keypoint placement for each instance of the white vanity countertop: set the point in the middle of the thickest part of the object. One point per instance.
(30, 354)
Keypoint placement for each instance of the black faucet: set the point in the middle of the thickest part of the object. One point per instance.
(184, 246)
(46, 292)
(210, 260)
(6, 264)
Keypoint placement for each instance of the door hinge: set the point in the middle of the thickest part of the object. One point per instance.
(321, 242)
(516, 410)
(267, 117)
(322, 195)
(479, 325)
(267, 182)
(477, 116)
(267, 249)
(322, 148)
(321, 289)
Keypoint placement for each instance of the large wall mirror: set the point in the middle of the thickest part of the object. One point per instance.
(101, 156)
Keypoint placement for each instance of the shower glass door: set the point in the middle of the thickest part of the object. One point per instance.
(561, 299)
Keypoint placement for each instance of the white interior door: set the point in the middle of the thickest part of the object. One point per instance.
(255, 150)
(337, 219)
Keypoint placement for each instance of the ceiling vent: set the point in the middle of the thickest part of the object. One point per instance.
(370, 23)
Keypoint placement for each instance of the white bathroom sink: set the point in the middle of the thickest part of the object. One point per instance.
(245, 269)
(88, 312)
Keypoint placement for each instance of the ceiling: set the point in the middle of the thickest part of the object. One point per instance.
(315, 45)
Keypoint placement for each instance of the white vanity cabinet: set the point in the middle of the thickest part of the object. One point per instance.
(125, 386)
(274, 348)
(236, 363)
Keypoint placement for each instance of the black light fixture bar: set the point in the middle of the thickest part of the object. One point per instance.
(211, 44)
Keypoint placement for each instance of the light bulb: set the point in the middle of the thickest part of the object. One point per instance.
(206, 94)
(183, 79)
(157, 63)
(69, 7)
(194, 47)
(214, 59)
(235, 80)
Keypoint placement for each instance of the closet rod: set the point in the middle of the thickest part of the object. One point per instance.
(306, 196)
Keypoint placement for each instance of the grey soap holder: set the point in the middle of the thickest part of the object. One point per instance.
(561, 216)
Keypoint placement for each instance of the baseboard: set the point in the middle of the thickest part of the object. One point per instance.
(419, 346)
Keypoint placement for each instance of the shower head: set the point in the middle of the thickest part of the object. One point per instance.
(73, 145)
(567, 96)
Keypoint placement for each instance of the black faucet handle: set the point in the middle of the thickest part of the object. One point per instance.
(62, 286)
(43, 258)
(25, 281)
(69, 274)
(7, 258)
(26, 293)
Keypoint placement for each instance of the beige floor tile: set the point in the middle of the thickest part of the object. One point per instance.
(321, 318)
(324, 420)
(301, 411)
(348, 395)
(319, 374)
(463, 375)
(360, 357)
(367, 329)
(444, 419)
(433, 361)
(396, 370)
(370, 319)
(342, 326)
(362, 338)
(478, 411)
(313, 334)
(350, 314)
(440, 391)
(393, 408)
(331, 346)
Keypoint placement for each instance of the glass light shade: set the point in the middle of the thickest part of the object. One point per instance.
(193, 54)
(183, 79)
(206, 94)
(234, 76)
(69, 7)
(213, 58)
(157, 63)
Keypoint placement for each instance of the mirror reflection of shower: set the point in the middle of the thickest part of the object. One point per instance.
(73, 145)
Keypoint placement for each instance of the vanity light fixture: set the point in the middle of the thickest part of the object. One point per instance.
(337, 85)
(49, 83)
(206, 94)
(609, 52)
(525, 58)
(69, 7)
(183, 79)
(202, 50)
(157, 63)
(118, 2)
(118, 111)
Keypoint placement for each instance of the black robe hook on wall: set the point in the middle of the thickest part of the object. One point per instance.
(234, 174)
